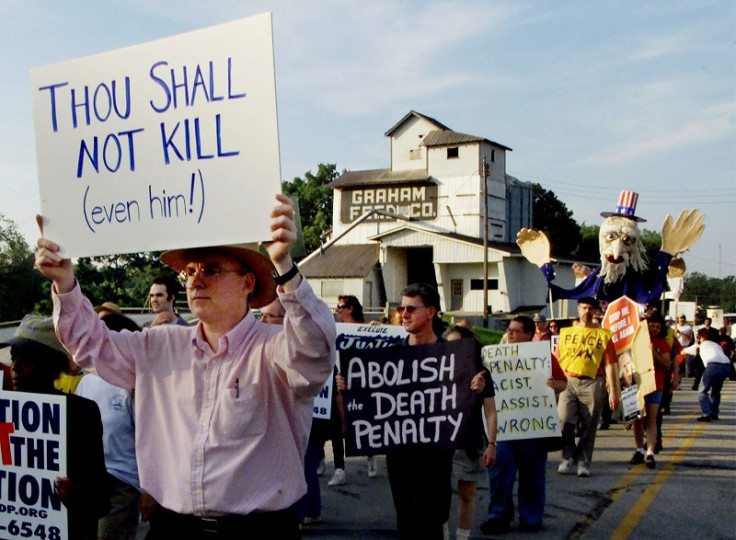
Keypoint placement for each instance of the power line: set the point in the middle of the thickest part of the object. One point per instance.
(658, 197)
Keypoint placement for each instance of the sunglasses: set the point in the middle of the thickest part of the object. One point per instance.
(341, 306)
(209, 272)
(409, 309)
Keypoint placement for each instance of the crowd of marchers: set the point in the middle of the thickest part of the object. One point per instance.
(205, 430)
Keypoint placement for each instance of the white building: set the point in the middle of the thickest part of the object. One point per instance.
(422, 220)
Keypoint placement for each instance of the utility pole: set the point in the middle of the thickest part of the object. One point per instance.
(484, 174)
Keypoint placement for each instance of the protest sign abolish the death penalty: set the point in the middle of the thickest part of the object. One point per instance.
(525, 405)
(359, 337)
(32, 454)
(168, 144)
(407, 395)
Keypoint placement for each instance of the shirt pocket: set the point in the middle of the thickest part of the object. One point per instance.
(242, 412)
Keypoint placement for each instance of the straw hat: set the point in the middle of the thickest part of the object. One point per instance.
(248, 254)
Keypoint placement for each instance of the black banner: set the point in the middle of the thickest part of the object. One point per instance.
(407, 395)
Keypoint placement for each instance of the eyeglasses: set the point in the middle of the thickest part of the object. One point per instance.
(341, 306)
(409, 309)
(208, 272)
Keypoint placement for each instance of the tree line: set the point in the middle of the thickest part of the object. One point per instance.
(124, 279)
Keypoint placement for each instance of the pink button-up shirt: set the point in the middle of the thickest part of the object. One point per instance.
(216, 433)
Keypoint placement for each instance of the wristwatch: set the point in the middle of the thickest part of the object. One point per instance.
(283, 278)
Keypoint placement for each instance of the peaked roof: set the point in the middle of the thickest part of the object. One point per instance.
(341, 261)
(379, 177)
(506, 247)
(442, 138)
(421, 116)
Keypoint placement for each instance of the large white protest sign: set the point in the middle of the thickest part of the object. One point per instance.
(32, 454)
(525, 405)
(360, 337)
(167, 144)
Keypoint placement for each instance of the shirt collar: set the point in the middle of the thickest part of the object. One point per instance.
(237, 334)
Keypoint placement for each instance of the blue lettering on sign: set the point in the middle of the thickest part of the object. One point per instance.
(179, 144)
(112, 152)
(31, 416)
(183, 86)
(160, 205)
(105, 99)
(29, 490)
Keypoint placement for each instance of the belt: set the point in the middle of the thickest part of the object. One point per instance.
(227, 526)
(215, 525)
(576, 376)
(208, 525)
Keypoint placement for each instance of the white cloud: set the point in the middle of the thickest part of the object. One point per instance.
(386, 53)
(687, 129)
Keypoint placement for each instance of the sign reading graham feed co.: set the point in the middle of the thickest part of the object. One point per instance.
(413, 201)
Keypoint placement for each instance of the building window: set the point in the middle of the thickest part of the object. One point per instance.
(415, 154)
(477, 284)
(457, 287)
(493, 156)
(453, 152)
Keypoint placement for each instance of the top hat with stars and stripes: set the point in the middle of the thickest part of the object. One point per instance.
(626, 206)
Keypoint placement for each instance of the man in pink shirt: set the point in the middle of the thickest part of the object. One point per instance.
(222, 409)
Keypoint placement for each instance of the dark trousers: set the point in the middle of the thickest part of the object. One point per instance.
(338, 445)
(281, 524)
(421, 487)
(310, 505)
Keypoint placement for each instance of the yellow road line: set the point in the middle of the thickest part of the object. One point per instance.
(629, 477)
(624, 483)
(640, 507)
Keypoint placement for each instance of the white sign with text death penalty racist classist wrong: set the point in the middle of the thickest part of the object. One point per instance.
(168, 144)
(525, 405)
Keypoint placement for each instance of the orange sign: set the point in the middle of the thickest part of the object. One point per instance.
(622, 318)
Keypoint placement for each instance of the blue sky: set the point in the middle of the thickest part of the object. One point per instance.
(593, 97)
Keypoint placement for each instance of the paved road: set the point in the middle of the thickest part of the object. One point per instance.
(691, 493)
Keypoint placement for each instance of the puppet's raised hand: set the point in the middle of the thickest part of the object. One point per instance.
(534, 246)
(684, 233)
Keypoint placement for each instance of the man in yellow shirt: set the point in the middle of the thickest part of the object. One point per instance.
(588, 357)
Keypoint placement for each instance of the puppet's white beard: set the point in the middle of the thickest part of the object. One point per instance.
(613, 272)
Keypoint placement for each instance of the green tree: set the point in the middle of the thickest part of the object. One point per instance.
(315, 202)
(123, 279)
(20, 284)
(553, 217)
(588, 248)
(709, 291)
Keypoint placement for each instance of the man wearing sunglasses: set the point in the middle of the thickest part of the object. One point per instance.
(223, 409)
(420, 480)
